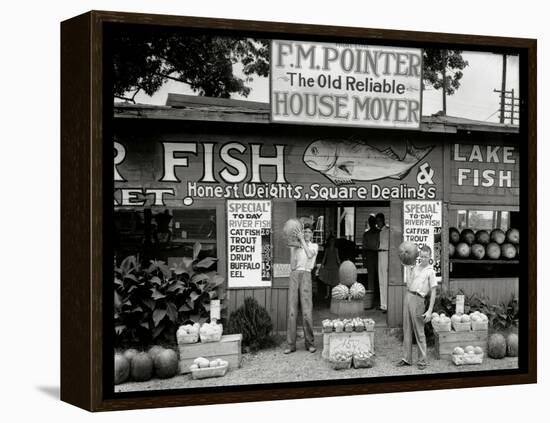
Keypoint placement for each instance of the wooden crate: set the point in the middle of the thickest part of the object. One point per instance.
(228, 348)
(346, 308)
(330, 340)
(446, 342)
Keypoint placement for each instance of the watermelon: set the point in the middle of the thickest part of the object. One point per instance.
(142, 367)
(462, 250)
(340, 292)
(496, 347)
(512, 236)
(454, 235)
(347, 273)
(122, 369)
(512, 345)
(483, 237)
(478, 251)
(130, 353)
(498, 236)
(154, 350)
(492, 251)
(357, 291)
(408, 252)
(467, 236)
(508, 250)
(166, 364)
(289, 229)
(451, 250)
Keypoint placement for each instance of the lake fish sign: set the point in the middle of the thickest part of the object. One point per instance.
(345, 84)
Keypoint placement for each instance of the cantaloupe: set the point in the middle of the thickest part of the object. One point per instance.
(154, 350)
(289, 230)
(142, 367)
(347, 273)
(512, 345)
(166, 364)
(122, 369)
(496, 346)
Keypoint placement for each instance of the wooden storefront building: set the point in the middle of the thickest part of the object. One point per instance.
(213, 145)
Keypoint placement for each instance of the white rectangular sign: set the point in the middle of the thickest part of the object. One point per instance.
(422, 226)
(345, 84)
(249, 246)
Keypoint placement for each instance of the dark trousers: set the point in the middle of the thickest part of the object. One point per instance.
(413, 323)
(299, 291)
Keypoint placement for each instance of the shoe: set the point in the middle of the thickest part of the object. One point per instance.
(421, 366)
(289, 350)
(384, 311)
(312, 349)
(402, 363)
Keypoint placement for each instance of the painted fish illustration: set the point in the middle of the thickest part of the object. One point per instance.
(346, 161)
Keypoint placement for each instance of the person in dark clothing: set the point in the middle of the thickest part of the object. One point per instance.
(163, 227)
(371, 241)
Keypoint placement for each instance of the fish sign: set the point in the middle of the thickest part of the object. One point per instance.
(347, 161)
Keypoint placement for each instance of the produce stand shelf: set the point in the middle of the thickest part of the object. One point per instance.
(446, 342)
(469, 261)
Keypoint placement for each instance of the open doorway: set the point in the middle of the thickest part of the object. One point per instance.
(339, 229)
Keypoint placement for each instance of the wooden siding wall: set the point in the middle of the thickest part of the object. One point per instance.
(273, 299)
(395, 271)
(497, 290)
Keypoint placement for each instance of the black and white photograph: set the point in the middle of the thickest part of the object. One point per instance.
(298, 210)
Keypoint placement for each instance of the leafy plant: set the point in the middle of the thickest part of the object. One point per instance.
(151, 303)
(504, 315)
(254, 323)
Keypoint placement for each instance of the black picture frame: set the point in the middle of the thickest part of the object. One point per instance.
(86, 186)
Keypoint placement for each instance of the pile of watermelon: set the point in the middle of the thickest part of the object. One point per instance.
(499, 347)
(141, 366)
(483, 244)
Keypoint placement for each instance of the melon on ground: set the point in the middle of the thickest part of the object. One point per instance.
(142, 367)
(122, 369)
(512, 345)
(496, 346)
(166, 364)
(154, 350)
(130, 353)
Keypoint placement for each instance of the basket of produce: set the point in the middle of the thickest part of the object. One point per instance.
(188, 334)
(348, 326)
(461, 323)
(440, 322)
(211, 332)
(363, 359)
(468, 355)
(479, 321)
(203, 368)
(358, 324)
(369, 325)
(328, 326)
(341, 359)
(338, 326)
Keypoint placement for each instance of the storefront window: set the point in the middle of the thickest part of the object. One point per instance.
(482, 219)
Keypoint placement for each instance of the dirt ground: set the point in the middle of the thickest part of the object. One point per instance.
(272, 366)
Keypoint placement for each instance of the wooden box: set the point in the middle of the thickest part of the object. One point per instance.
(347, 308)
(228, 348)
(446, 342)
(332, 340)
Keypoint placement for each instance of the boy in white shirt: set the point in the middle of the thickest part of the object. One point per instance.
(302, 261)
(420, 283)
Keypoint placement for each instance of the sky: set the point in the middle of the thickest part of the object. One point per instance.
(475, 99)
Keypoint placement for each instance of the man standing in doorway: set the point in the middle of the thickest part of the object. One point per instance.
(302, 261)
(383, 260)
(371, 241)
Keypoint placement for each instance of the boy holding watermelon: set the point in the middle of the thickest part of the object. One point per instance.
(420, 283)
(302, 261)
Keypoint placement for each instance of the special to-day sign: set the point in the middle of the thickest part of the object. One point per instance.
(345, 84)
(422, 225)
(249, 246)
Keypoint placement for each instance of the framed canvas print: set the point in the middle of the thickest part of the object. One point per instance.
(259, 211)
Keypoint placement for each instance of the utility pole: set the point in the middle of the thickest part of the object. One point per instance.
(503, 88)
(444, 73)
